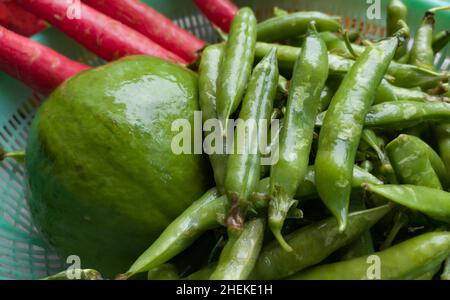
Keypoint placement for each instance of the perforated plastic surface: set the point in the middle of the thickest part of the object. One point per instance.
(24, 254)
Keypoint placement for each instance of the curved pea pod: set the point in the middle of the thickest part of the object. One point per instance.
(434, 203)
(407, 260)
(342, 126)
(310, 75)
(396, 11)
(206, 213)
(79, 274)
(236, 64)
(163, 272)
(404, 94)
(385, 93)
(405, 114)
(208, 74)
(416, 163)
(442, 134)
(240, 253)
(440, 40)
(244, 164)
(422, 54)
(312, 244)
(293, 25)
(409, 76)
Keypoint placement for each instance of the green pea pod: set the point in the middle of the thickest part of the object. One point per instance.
(236, 64)
(396, 11)
(402, 75)
(422, 54)
(312, 244)
(404, 94)
(442, 134)
(385, 93)
(243, 171)
(203, 274)
(405, 114)
(440, 40)
(307, 187)
(292, 25)
(407, 260)
(206, 213)
(209, 70)
(363, 245)
(163, 272)
(76, 274)
(310, 75)
(341, 131)
(325, 97)
(432, 202)
(240, 253)
(417, 163)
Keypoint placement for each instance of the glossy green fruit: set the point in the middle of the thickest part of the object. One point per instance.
(104, 181)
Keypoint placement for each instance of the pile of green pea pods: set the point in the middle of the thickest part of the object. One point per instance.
(364, 155)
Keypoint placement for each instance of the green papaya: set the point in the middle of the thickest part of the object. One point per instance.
(102, 178)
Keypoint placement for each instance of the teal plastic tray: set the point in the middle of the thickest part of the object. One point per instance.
(24, 254)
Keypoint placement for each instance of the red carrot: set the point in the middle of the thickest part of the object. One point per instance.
(34, 64)
(19, 20)
(99, 33)
(218, 12)
(152, 24)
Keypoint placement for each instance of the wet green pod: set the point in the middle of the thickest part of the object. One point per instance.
(385, 93)
(208, 74)
(296, 136)
(206, 213)
(407, 260)
(244, 164)
(237, 63)
(312, 244)
(405, 114)
(416, 163)
(405, 94)
(325, 97)
(343, 124)
(410, 76)
(442, 134)
(241, 252)
(434, 203)
(421, 53)
(293, 25)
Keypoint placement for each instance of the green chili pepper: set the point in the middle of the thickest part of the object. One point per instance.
(78, 274)
(207, 82)
(312, 244)
(440, 40)
(422, 54)
(244, 164)
(236, 64)
(404, 114)
(163, 272)
(342, 126)
(396, 11)
(310, 74)
(292, 25)
(417, 163)
(240, 253)
(363, 245)
(406, 260)
(432, 202)
(402, 75)
(206, 213)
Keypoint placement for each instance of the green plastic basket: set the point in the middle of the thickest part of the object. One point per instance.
(24, 254)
